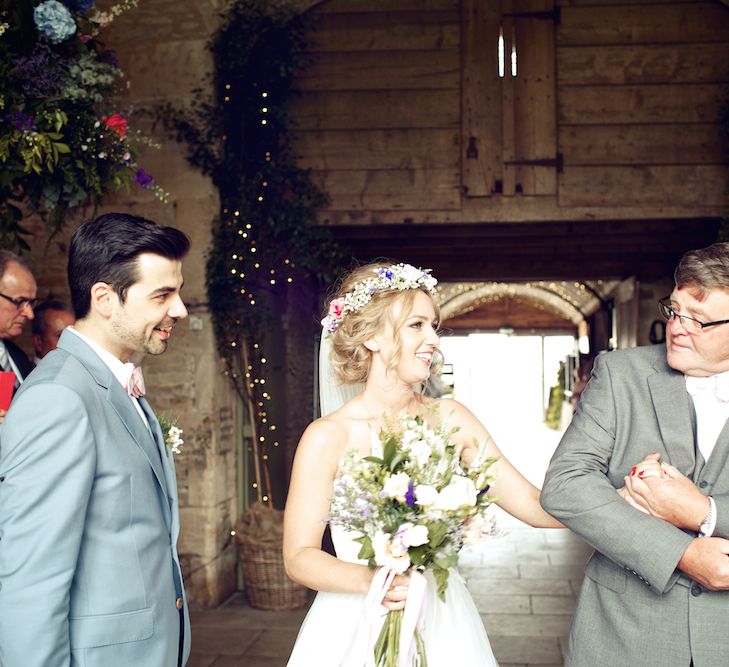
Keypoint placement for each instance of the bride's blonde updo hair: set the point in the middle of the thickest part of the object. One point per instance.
(349, 358)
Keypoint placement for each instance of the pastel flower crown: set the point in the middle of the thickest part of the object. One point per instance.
(396, 277)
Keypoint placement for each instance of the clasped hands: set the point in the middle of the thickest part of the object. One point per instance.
(661, 490)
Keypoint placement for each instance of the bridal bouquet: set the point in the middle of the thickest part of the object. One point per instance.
(414, 504)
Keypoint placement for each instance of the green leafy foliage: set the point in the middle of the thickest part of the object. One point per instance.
(62, 142)
(262, 239)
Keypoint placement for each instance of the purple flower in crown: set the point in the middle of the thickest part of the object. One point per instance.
(385, 273)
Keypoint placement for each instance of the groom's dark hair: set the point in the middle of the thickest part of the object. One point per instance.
(106, 250)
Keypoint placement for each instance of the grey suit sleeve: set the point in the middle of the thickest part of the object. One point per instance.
(578, 490)
(722, 515)
(47, 463)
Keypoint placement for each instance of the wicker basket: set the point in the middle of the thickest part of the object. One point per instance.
(266, 583)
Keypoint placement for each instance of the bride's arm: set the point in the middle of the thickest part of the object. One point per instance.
(515, 494)
(315, 467)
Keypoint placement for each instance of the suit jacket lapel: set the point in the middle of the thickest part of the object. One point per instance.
(122, 405)
(674, 413)
(25, 365)
(168, 467)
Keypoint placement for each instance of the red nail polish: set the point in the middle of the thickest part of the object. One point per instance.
(632, 472)
(640, 474)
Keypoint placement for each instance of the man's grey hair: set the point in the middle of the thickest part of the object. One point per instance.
(7, 257)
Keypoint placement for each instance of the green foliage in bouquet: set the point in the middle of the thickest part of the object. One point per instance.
(63, 143)
(414, 504)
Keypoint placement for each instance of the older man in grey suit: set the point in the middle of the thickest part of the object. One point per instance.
(656, 590)
(89, 571)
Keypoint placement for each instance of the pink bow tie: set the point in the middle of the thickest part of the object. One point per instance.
(718, 385)
(135, 381)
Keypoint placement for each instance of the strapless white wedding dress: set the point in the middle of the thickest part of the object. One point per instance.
(453, 632)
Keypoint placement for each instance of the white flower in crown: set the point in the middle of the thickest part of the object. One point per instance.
(396, 277)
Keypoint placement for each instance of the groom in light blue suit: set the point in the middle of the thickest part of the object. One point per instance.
(89, 571)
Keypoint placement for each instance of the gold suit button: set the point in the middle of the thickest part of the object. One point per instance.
(178, 603)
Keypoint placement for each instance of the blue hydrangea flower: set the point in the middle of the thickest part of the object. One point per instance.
(54, 21)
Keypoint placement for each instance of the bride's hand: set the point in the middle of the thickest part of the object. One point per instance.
(649, 467)
(396, 595)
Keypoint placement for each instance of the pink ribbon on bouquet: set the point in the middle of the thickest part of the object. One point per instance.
(361, 651)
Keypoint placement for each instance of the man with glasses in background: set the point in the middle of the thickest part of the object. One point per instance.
(17, 299)
(652, 423)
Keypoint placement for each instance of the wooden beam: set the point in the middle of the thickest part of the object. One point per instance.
(532, 251)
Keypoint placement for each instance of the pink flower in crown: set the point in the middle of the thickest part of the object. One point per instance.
(336, 308)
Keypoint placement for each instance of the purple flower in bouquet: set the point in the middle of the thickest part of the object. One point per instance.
(79, 6)
(21, 121)
(143, 178)
(40, 74)
(54, 21)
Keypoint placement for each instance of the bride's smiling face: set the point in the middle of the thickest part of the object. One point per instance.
(408, 352)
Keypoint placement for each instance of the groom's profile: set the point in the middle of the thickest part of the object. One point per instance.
(89, 517)
(656, 590)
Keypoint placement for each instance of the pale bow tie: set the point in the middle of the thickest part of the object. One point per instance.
(135, 380)
(718, 385)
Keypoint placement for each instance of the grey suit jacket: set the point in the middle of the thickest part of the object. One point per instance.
(635, 607)
(89, 571)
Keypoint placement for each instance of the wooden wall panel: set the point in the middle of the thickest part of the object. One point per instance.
(481, 111)
(626, 3)
(650, 63)
(654, 185)
(644, 24)
(360, 6)
(535, 114)
(390, 31)
(366, 110)
(609, 105)
(388, 189)
(378, 149)
(642, 144)
(377, 70)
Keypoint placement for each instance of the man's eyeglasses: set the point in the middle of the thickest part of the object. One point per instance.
(691, 324)
(21, 302)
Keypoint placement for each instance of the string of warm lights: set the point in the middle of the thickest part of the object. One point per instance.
(262, 239)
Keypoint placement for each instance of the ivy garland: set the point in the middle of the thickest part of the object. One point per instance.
(262, 239)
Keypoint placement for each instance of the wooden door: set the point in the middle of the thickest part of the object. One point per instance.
(509, 117)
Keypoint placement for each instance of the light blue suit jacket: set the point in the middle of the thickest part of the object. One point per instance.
(89, 571)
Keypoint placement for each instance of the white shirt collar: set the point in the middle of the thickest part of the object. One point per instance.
(116, 365)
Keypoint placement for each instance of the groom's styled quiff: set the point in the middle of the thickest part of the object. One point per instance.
(106, 250)
(349, 358)
(704, 269)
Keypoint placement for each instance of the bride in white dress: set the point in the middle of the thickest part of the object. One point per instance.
(383, 332)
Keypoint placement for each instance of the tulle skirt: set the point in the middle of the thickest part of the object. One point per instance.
(453, 631)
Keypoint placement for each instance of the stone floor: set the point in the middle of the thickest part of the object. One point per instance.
(524, 585)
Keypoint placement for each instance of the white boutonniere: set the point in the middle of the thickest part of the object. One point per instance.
(172, 434)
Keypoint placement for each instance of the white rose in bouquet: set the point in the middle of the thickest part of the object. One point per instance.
(461, 491)
(397, 486)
